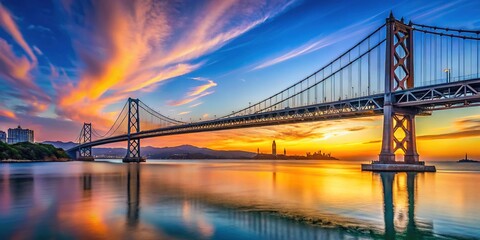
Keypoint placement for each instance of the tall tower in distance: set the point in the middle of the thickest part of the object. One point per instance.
(274, 148)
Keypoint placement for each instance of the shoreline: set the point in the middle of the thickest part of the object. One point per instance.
(30, 161)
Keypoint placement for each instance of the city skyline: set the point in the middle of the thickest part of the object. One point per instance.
(57, 74)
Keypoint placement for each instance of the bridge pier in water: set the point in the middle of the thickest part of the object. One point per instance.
(398, 123)
(133, 145)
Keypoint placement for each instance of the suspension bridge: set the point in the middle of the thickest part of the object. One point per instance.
(400, 70)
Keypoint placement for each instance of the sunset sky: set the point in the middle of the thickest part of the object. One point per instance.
(66, 62)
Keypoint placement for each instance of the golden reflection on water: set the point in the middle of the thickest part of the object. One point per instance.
(105, 200)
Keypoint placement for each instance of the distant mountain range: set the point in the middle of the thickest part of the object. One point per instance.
(63, 145)
(178, 152)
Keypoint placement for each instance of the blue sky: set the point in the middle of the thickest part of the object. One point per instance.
(65, 62)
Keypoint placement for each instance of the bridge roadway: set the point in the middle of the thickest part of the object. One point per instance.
(422, 100)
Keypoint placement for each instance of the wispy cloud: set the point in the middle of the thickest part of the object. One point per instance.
(187, 100)
(195, 93)
(354, 30)
(39, 28)
(8, 24)
(195, 105)
(15, 70)
(435, 10)
(37, 50)
(184, 113)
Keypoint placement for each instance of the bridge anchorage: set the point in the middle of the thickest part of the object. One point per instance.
(400, 71)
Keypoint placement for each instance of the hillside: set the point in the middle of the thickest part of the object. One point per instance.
(178, 152)
(31, 151)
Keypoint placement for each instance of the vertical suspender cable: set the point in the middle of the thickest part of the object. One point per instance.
(431, 58)
(463, 46)
(451, 59)
(350, 90)
(446, 59)
(323, 86)
(378, 69)
(471, 59)
(359, 73)
(435, 57)
(316, 89)
(458, 56)
(424, 50)
(368, 67)
(441, 55)
(341, 78)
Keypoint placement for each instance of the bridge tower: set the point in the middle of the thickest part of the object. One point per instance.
(86, 137)
(133, 147)
(398, 123)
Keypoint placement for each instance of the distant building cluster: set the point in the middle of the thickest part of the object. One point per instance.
(274, 149)
(315, 156)
(17, 135)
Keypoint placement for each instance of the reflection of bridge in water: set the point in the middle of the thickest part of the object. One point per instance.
(411, 231)
(399, 71)
(399, 221)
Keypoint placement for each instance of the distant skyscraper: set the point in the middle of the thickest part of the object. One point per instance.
(285, 151)
(16, 135)
(274, 148)
(3, 136)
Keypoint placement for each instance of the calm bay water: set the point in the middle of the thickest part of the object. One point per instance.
(233, 199)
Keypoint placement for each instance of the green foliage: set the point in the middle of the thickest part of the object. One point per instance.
(31, 151)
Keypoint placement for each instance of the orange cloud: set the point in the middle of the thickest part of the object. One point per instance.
(200, 89)
(7, 113)
(135, 47)
(14, 69)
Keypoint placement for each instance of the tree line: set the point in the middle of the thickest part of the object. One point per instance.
(31, 151)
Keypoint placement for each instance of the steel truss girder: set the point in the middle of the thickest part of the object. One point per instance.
(343, 109)
(439, 97)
